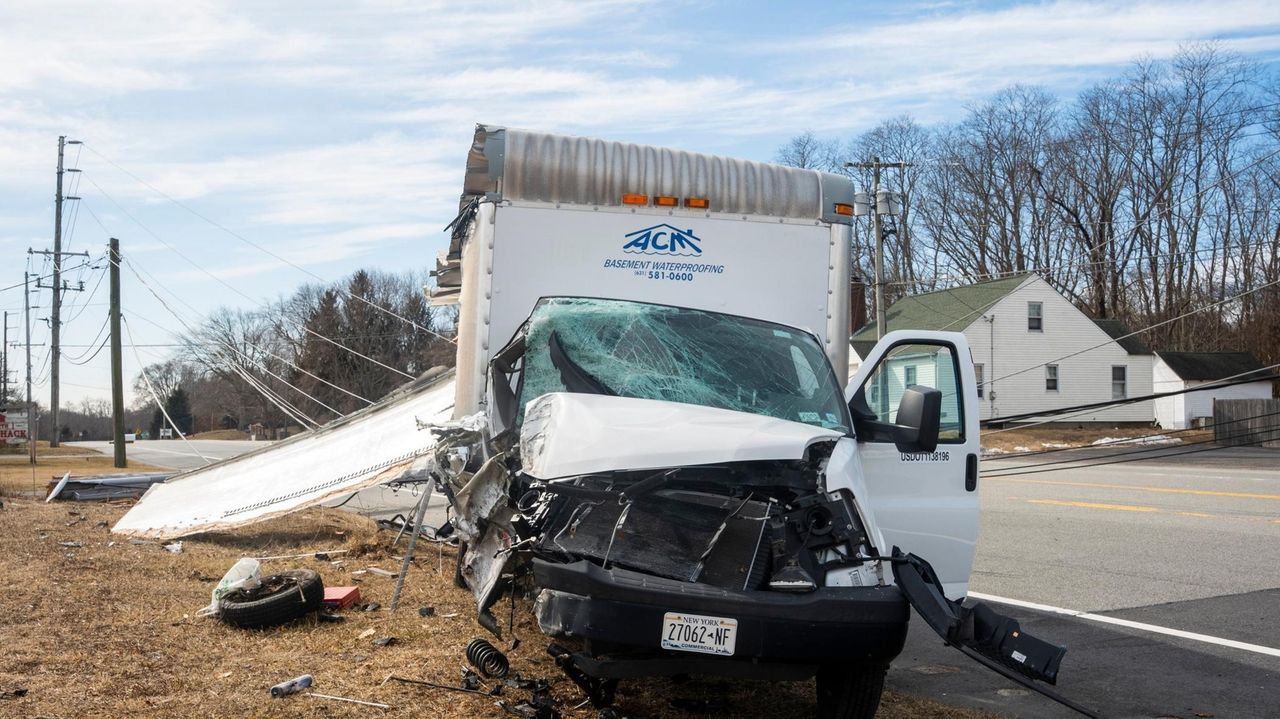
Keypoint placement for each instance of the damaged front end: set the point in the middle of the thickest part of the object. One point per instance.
(635, 448)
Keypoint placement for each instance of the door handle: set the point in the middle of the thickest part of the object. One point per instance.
(971, 473)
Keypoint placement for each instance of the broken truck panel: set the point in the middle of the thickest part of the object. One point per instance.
(367, 447)
(978, 631)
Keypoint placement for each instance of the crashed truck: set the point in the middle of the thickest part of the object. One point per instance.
(655, 432)
(649, 429)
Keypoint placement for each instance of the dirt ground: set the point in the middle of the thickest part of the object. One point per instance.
(1034, 439)
(106, 627)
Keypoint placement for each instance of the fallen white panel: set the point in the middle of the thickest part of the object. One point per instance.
(359, 450)
(568, 434)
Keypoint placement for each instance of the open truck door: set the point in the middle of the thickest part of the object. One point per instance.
(915, 413)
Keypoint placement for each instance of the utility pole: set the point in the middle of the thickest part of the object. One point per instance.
(31, 407)
(117, 382)
(117, 372)
(55, 326)
(883, 205)
(4, 364)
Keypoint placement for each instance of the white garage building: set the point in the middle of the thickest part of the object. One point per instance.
(1177, 371)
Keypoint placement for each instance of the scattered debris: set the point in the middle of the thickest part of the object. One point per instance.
(293, 686)
(175, 548)
(13, 693)
(486, 657)
(330, 618)
(366, 634)
(340, 597)
(470, 680)
(382, 572)
(433, 685)
(324, 554)
(539, 707)
(372, 607)
(426, 611)
(70, 544)
(384, 642)
(361, 702)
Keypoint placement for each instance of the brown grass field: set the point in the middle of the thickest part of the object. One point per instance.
(109, 629)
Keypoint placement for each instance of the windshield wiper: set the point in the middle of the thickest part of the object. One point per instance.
(575, 378)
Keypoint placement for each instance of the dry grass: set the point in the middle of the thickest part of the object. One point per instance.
(17, 476)
(220, 434)
(44, 450)
(109, 629)
(1050, 436)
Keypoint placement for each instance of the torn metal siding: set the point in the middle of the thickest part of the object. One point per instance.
(363, 449)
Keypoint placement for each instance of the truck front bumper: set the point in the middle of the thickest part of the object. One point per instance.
(625, 609)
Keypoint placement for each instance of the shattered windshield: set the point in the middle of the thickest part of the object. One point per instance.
(633, 349)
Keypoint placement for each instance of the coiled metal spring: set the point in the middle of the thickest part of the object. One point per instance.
(486, 657)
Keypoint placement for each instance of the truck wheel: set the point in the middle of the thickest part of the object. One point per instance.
(848, 691)
(278, 599)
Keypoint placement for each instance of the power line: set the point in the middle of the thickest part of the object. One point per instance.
(224, 283)
(264, 250)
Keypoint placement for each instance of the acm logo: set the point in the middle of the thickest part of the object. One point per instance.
(663, 240)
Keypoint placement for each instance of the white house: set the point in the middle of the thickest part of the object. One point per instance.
(1034, 351)
(1176, 371)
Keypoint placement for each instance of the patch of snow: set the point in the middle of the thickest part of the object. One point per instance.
(1055, 445)
(1153, 439)
(993, 450)
(1022, 449)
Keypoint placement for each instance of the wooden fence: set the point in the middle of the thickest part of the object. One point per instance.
(1247, 422)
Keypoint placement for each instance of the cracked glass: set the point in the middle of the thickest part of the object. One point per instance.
(647, 351)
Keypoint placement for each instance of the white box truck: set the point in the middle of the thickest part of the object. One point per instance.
(650, 432)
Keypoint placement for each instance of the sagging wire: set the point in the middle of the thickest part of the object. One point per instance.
(156, 398)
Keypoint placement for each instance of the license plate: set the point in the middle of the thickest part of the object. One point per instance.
(696, 633)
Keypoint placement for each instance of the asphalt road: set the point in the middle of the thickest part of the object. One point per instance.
(1187, 543)
(176, 454)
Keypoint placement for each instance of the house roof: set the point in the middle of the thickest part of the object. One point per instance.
(951, 309)
(1117, 331)
(1202, 366)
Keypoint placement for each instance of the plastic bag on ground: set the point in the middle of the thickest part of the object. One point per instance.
(240, 573)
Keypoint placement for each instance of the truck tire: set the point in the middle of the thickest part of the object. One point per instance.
(849, 691)
(281, 598)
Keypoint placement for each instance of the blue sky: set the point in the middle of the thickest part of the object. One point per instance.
(334, 133)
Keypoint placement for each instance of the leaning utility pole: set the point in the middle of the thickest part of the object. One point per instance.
(54, 355)
(117, 383)
(881, 205)
(31, 407)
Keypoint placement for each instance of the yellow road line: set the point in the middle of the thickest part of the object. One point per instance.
(1095, 505)
(1163, 490)
(1196, 514)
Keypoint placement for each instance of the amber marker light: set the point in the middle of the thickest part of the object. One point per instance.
(630, 199)
(697, 203)
(665, 201)
(843, 209)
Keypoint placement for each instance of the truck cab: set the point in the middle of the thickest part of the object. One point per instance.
(650, 435)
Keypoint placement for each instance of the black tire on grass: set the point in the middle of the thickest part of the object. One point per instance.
(299, 591)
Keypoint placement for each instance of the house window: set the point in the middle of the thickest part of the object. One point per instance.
(977, 378)
(1035, 316)
(1119, 382)
(910, 375)
(1051, 378)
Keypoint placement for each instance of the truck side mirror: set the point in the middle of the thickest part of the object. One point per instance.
(919, 419)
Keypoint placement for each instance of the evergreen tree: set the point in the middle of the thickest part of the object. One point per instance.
(179, 409)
